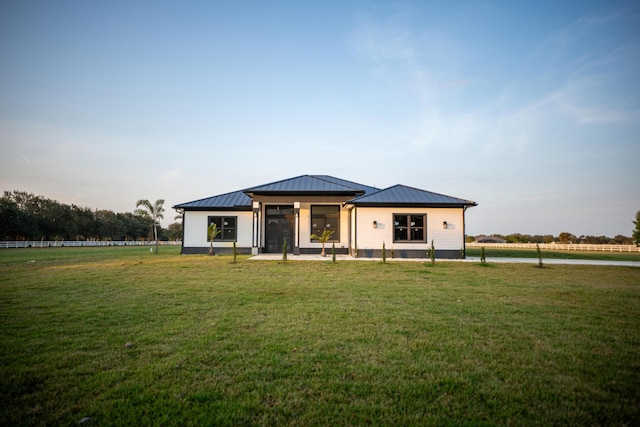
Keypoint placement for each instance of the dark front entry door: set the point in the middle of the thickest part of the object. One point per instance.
(279, 227)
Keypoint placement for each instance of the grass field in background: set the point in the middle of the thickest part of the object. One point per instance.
(119, 336)
(559, 254)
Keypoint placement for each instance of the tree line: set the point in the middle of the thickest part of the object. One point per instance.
(25, 216)
(564, 237)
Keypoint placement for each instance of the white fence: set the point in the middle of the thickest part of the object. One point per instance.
(79, 243)
(558, 247)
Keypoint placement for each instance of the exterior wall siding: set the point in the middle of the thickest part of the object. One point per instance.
(195, 229)
(364, 237)
(370, 238)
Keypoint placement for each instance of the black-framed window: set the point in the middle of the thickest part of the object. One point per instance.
(226, 224)
(410, 228)
(326, 217)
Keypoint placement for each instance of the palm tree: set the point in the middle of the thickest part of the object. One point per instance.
(323, 238)
(152, 212)
(213, 233)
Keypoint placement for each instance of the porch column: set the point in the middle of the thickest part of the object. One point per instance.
(255, 239)
(296, 227)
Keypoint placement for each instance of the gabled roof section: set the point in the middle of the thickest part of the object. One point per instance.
(311, 184)
(236, 200)
(401, 195)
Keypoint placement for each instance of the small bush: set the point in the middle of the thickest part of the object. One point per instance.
(235, 252)
(284, 251)
(539, 253)
(432, 253)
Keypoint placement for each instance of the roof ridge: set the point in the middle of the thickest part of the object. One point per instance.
(401, 187)
(274, 182)
(322, 178)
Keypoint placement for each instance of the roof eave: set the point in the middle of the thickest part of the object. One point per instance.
(214, 208)
(411, 205)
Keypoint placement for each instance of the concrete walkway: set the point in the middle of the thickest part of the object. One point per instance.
(278, 257)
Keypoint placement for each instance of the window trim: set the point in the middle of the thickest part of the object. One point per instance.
(219, 237)
(409, 215)
(337, 230)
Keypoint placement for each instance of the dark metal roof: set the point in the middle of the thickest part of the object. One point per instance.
(312, 184)
(236, 200)
(401, 195)
(398, 195)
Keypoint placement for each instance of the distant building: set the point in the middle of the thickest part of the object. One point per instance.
(490, 239)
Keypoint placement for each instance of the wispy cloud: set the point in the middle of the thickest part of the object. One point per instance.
(384, 43)
(26, 160)
(170, 176)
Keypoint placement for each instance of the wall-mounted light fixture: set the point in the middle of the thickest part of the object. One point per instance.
(445, 225)
(375, 224)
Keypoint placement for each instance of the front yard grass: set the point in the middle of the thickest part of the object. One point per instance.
(558, 254)
(119, 336)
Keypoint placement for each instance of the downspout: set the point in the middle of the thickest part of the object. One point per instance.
(355, 231)
(350, 232)
(464, 233)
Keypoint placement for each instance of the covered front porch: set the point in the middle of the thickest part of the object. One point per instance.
(279, 223)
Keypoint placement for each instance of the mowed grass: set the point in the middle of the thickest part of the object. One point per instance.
(558, 254)
(119, 336)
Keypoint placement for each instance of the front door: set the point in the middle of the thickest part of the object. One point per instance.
(279, 228)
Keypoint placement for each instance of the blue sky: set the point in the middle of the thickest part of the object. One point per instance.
(531, 109)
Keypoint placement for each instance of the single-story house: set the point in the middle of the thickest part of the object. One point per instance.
(261, 219)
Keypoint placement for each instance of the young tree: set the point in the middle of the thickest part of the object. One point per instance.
(284, 251)
(432, 253)
(235, 252)
(636, 231)
(323, 238)
(213, 233)
(539, 253)
(153, 212)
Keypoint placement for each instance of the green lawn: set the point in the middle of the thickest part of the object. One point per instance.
(119, 336)
(531, 253)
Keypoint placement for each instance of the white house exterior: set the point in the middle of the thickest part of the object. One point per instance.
(264, 218)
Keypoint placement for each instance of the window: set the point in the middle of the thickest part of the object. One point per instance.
(226, 224)
(326, 217)
(409, 228)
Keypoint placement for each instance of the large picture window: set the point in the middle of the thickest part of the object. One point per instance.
(409, 228)
(326, 217)
(226, 224)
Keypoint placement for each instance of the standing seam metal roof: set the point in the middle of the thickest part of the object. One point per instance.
(404, 195)
(234, 200)
(395, 195)
(311, 184)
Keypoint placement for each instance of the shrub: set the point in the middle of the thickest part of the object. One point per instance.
(432, 253)
(235, 252)
(284, 251)
(539, 252)
(384, 253)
